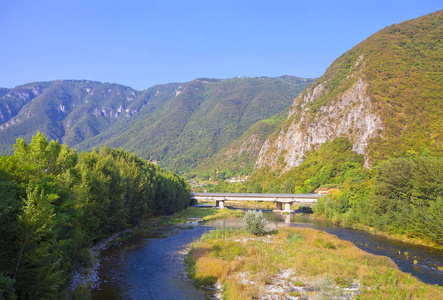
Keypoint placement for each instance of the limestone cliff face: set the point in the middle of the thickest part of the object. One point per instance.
(384, 95)
(349, 114)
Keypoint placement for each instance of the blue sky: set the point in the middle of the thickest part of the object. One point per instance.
(143, 43)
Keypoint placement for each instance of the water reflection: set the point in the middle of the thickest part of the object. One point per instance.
(146, 268)
(420, 261)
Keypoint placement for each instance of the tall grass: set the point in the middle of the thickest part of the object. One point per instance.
(246, 265)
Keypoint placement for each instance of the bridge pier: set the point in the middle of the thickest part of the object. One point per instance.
(286, 205)
(283, 201)
(288, 219)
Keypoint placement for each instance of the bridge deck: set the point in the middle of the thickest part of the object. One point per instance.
(256, 197)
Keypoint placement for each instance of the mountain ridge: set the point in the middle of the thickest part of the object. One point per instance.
(372, 95)
(157, 123)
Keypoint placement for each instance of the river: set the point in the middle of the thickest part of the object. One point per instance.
(145, 267)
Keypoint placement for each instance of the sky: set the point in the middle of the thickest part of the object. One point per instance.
(141, 43)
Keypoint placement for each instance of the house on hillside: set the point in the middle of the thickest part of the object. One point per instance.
(235, 180)
(321, 191)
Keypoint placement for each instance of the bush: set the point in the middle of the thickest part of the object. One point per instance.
(255, 222)
(81, 293)
(349, 218)
(193, 202)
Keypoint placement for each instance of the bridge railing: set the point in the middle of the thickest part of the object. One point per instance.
(279, 199)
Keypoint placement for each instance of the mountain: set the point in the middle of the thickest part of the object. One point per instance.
(201, 118)
(177, 124)
(239, 157)
(4, 91)
(384, 96)
(370, 131)
(70, 111)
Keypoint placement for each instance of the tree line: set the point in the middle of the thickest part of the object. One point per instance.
(56, 203)
(403, 195)
(400, 195)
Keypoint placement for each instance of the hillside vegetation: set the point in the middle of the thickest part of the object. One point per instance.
(178, 124)
(70, 111)
(204, 117)
(238, 158)
(384, 95)
(370, 129)
(404, 69)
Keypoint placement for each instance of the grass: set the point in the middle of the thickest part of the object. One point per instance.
(322, 265)
(400, 237)
(223, 213)
(202, 214)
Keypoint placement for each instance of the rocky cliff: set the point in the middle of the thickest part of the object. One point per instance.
(351, 115)
(383, 95)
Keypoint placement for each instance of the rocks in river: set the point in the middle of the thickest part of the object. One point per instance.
(86, 277)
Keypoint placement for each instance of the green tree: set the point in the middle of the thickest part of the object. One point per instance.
(38, 268)
(428, 179)
(55, 204)
(7, 290)
(392, 185)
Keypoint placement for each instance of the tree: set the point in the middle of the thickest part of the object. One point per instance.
(43, 157)
(54, 205)
(428, 179)
(392, 184)
(38, 268)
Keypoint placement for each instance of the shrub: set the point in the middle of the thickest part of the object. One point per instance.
(193, 202)
(81, 292)
(349, 218)
(294, 238)
(255, 222)
(329, 245)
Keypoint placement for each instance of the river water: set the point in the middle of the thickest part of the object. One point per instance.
(145, 267)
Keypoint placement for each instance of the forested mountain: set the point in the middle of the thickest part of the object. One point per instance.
(4, 91)
(371, 130)
(70, 111)
(239, 157)
(177, 124)
(384, 95)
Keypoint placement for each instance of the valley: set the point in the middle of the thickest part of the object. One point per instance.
(85, 161)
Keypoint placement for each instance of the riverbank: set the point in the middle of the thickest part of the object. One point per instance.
(202, 214)
(86, 278)
(375, 231)
(295, 263)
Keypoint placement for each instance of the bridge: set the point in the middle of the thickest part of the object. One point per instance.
(281, 200)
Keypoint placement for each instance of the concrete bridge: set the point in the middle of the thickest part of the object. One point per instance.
(280, 200)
